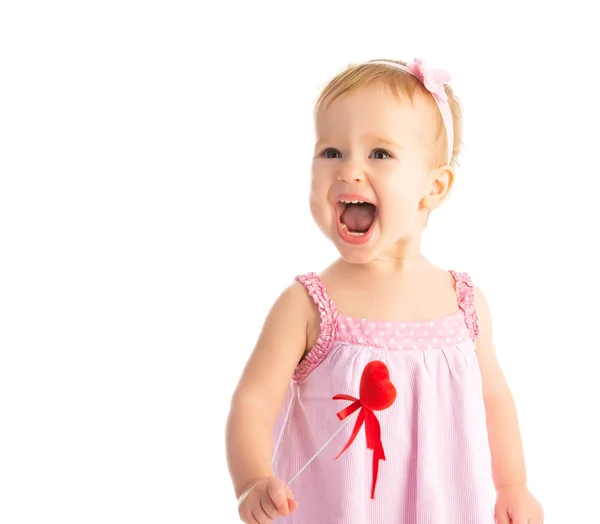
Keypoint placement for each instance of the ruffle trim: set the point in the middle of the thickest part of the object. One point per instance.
(328, 313)
(466, 301)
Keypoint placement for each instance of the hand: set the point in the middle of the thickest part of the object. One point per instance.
(264, 500)
(515, 505)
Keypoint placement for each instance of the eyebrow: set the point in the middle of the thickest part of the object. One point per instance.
(377, 139)
(380, 140)
(319, 142)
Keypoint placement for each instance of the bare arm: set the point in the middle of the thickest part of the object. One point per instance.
(261, 391)
(508, 463)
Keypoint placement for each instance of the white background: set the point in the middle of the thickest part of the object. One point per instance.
(154, 163)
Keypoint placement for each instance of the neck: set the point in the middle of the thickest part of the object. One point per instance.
(405, 257)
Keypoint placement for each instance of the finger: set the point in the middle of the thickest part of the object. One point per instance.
(520, 519)
(247, 517)
(269, 509)
(288, 492)
(260, 519)
(293, 505)
(502, 517)
(277, 492)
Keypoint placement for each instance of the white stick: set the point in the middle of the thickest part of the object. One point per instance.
(322, 448)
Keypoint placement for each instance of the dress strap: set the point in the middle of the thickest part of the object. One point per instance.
(328, 313)
(466, 301)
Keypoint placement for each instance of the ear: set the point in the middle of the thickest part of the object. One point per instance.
(440, 185)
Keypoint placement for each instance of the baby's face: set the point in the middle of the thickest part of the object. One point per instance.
(374, 149)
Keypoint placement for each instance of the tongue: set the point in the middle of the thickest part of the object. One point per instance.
(358, 217)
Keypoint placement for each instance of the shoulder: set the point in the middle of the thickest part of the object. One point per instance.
(318, 308)
(473, 302)
(481, 303)
(303, 304)
(468, 290)
(316, 289)
(295, 301)
(484, 316)
(285, 330)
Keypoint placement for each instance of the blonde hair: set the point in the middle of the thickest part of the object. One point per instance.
(402, 85)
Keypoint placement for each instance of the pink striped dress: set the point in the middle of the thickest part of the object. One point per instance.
(437, 467)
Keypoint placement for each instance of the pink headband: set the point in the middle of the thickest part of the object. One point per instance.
(433, 80)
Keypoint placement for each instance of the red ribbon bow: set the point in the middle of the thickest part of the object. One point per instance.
(376, 393)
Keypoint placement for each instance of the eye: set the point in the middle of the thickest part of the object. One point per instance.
(380, 154)
(331, 153)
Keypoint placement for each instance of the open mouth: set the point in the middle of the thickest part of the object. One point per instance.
(355, 219)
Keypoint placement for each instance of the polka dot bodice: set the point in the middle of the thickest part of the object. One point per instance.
(436, 333)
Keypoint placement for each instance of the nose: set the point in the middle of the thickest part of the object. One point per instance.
(351, 172)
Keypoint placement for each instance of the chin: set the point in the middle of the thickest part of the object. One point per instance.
(358, 258)
(356, 254)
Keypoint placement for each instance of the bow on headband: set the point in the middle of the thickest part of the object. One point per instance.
(433, 79)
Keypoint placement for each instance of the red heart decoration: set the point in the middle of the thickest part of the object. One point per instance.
(376, 393)
(376, 390)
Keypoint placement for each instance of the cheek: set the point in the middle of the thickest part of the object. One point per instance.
(319, 186)
(319, 172)
(319, 198)
(398, 208)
